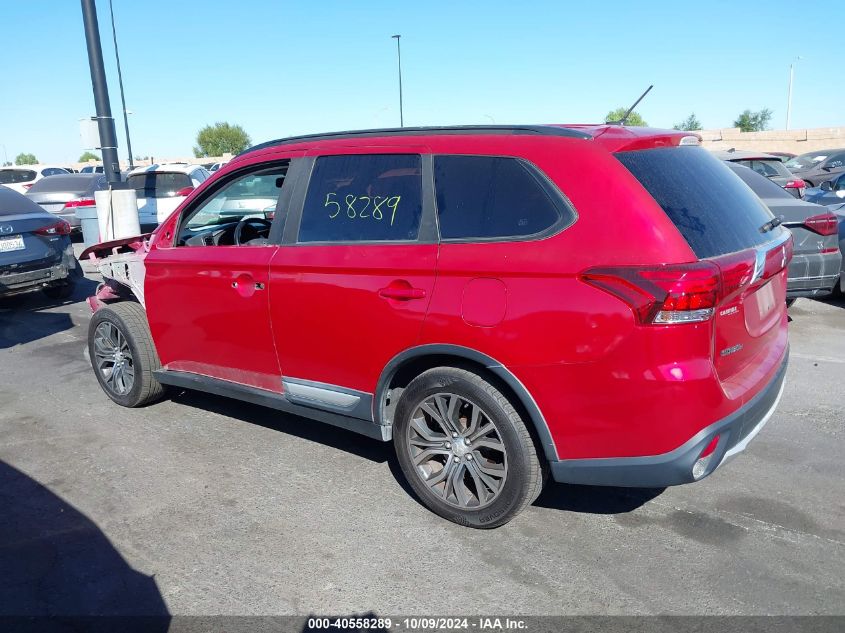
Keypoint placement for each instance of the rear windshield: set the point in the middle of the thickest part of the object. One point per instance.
(763, 187)
(158, 184)
(808, 160)
(71, 184)
(712, 208)
(767, 168)
(11, 176)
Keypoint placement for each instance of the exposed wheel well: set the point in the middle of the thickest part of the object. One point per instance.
(413, 367)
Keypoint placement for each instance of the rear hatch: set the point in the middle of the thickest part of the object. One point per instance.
(730, 231)
(156, 192)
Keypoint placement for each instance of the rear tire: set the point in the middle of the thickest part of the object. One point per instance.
(123, 355)
(481, 479)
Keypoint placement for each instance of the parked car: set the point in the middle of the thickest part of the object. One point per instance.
(92, 169)
(784, 156)
(839, 211)
(215, 166)
(816, 167)
(828, 192)
(816, 260)
(160, 188)
(465, 293)
(22, 177)
(62, 195)
(35, 249)
(766, 165)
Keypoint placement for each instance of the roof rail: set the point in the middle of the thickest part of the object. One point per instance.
(540, 130)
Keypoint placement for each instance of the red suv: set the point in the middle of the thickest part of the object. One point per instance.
(602, 303)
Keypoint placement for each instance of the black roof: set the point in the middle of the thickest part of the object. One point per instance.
(526, 130)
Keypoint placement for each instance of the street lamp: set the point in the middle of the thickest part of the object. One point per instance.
(399, 55)
(789, 97)
(120, 83)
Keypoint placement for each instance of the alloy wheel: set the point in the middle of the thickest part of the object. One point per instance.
(113, 358)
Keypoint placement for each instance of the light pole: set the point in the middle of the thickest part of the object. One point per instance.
(399, 55)
(789, 97)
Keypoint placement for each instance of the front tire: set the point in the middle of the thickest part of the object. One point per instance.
(123, 355)
(464, 449)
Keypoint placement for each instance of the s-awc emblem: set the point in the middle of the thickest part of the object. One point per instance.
(6, 228)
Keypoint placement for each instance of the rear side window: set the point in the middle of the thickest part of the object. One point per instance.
(763, 187)
(158, 184)
(492, 197)
(53, 171)
(363, 198)
(712, 208)
(11, 176)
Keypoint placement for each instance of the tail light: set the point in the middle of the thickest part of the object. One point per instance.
(27, 185)
(58, 228)
(184, 191)
(795, 184)
(823, 224)
(80, 202)
(687, 293)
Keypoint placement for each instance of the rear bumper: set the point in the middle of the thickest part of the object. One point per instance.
(676, 467)
(12, 283)
(813, 275)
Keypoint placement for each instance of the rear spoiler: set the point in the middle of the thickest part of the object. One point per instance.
(124, 245)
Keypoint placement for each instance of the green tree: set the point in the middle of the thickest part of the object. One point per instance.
(88, 156)
(221, 138)
(24, 158)
(633, 119)
(750, 121)
(689, 124)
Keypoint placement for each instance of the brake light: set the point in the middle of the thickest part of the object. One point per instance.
(795, 184)
(823, 224)
(59, 228)
(678, 293)
(80, 202)
(27, 185)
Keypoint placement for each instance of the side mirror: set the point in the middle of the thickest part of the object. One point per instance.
(827, 186)
(184, 191)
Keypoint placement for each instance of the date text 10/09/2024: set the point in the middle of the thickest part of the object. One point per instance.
(372, 206)
(418, 623)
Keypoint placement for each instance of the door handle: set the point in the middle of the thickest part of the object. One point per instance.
(403, 292)
(257, 285)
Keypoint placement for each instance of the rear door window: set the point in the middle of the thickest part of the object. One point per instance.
(711, 207)
(494, 198)
(364, 197)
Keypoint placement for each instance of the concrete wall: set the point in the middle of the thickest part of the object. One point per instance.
(795, 141)
(160, 160)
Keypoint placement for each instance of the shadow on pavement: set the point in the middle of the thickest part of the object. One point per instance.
(312, 430)
(594, 499)
(24, 318)
(54, 561)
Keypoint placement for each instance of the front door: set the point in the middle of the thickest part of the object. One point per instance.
(207, 295)
(350, 286)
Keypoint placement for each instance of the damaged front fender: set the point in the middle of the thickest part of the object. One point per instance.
(121, 263)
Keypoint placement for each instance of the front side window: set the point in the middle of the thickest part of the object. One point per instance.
(491, 197)
(240, 213)
(372, 197)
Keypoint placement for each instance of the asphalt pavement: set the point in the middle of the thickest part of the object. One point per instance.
(200, 505)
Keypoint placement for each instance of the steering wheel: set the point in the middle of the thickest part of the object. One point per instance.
(236, 236)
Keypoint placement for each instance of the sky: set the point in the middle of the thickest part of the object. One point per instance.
(281, 68)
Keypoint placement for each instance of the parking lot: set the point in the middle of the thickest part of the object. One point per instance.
(200, 505)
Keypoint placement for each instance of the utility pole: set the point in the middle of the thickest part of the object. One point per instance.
(120, 84)
(105, 121)
(399, 54)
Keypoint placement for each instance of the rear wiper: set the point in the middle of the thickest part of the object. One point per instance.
(771, 224)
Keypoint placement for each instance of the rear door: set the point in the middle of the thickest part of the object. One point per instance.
(350, 286)
(724, 221)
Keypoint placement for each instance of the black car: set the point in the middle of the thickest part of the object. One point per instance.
(767, 165)
(35, 249)
(816, 167)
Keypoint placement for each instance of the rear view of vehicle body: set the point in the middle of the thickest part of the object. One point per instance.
(22, 177)
(767, 165)
(814, 269)
(62, 195)
(161, 188)
(465, 293)
(35, 249)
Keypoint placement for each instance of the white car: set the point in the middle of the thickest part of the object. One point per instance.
(22, 177)
(161, 188)
(217, 166)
